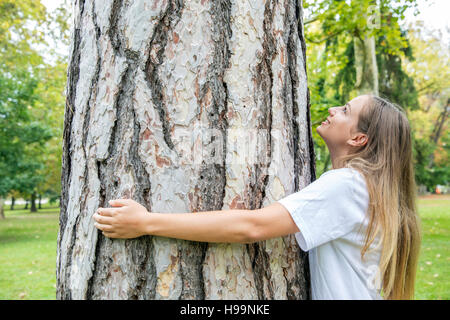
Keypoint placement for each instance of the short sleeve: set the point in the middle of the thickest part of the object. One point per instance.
(327, 209)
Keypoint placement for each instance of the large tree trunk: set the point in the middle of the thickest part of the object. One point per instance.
(183, 106)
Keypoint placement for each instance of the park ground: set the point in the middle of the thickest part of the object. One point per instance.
(28, 252)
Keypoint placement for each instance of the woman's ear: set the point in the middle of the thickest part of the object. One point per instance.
(358, 140)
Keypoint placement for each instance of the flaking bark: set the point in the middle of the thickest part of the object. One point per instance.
(141, 73)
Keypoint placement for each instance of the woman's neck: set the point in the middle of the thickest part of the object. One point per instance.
(334, 156)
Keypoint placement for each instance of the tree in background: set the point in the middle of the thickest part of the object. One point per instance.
(431, 73)
(50, 106)
(31, 101)
(19, 76)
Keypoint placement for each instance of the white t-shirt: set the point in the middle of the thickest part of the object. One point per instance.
(332, 216)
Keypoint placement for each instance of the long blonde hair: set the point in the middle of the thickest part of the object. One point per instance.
(386, 162)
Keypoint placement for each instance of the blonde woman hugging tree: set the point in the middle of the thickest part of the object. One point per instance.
(357, 218)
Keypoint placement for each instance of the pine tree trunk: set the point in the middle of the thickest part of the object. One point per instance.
(164, 101)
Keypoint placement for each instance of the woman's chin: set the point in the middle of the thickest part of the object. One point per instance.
(319, 129)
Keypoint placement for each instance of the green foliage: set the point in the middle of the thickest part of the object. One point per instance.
(394, 82)
(341, 21)
(430, 70)
(19, 132)
(413, 72)
(426, 175)
(31, 96)
(431, 174)
(22, 25)
(334, 25)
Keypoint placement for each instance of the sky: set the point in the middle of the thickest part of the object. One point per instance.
(434, 14)
(51, 4)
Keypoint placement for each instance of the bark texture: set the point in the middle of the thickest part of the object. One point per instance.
(152, 85)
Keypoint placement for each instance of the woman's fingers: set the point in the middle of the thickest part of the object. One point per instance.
(102, 219)
(103, 227)
(108, 212)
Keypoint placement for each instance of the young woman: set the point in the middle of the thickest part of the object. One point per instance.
(358, 220)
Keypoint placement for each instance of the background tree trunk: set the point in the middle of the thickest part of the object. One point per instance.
(13, 200)
(147, 81)
(33, 203)
(2, 213)
(366, 66)
(437, 130)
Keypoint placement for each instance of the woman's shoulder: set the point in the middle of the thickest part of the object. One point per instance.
(346, 176)
(346, 172)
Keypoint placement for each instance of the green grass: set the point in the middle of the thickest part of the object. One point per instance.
(433, 276)
(28, 252)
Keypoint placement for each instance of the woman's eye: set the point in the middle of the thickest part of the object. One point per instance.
(345, 109)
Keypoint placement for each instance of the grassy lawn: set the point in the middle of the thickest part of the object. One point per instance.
(433, 276)
(28, 252)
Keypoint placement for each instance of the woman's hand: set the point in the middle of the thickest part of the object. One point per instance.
(126, 219)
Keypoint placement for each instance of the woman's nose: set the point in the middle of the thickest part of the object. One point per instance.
(332, 110)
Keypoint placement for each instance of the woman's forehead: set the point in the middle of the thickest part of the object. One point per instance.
(357, 103)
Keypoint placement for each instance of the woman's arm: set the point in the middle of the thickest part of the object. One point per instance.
(129, 219)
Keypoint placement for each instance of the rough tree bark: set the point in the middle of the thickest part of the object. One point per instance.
(151, 86)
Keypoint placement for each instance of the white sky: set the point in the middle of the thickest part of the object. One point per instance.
(434, 13)
(52, 4)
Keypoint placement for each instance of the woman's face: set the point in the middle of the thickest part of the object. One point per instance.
(339, 130)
